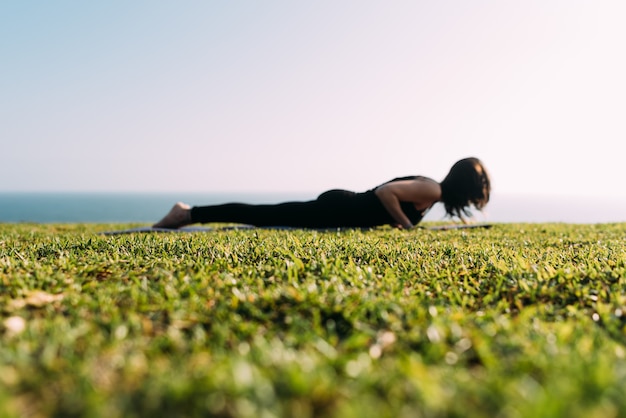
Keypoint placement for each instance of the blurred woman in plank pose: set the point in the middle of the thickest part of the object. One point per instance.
(401, 202)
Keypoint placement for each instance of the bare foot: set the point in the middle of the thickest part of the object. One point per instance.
(179, 215)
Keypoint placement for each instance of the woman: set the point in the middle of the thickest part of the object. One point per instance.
(401, 202)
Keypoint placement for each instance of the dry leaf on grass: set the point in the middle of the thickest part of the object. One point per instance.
(14, 325)
(35, 299)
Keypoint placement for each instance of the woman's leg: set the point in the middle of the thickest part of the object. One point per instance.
(295, 214)
(332, 209)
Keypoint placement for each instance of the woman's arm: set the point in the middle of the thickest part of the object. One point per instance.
(422, 193)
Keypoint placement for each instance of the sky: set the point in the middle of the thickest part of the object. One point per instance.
(249, 96)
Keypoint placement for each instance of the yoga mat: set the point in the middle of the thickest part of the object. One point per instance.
(455, 226)
(188, 229)
(149, 229)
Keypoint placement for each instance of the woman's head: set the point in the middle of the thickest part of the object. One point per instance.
(467, 184)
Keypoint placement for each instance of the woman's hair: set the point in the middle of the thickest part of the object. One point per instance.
(466, 184)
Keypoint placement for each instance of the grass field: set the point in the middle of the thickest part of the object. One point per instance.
(520, 320)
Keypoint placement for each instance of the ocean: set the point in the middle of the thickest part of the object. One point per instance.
(149, 207)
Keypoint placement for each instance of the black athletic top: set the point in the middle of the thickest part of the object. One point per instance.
(350, 209)
(414, 215)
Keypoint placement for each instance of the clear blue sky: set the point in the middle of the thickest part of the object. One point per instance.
(305, 96)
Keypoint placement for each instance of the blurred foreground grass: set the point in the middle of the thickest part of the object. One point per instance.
(520, 320)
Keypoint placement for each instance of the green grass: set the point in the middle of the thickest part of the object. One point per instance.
(520, 320)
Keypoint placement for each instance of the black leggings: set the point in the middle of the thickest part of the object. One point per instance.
(332, 209)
